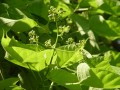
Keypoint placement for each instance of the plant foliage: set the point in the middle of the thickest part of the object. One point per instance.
(59, 44)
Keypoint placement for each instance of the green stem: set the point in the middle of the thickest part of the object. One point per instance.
(53, 48)
(55, 43)
(52, 83)
(1, 75)
(57, 35)
(76, 7)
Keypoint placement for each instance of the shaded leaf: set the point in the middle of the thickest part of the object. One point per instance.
(64, 78)
(38, 7)
(99, 26)
(82, 23)
(7, 84)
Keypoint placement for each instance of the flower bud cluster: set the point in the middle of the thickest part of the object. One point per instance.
(33, 37)
(80, 44)
(48, 43)
(63, 29)
(70, 41)
(55, 14)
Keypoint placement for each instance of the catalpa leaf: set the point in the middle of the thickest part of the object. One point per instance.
(22, 54)
(19, 25)
(98, 25)
(104, 75)
(8, 84)
(64, 78)
(69, 54)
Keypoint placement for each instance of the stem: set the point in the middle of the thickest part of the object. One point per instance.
(1, 75)
(53, 48)
(77, 7)
(51, 85)
(57, 36)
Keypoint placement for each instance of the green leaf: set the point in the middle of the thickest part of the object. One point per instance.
(66, 1)
(7, 84)
(81, 22)
(86, 75)
(109, 79)
(104, 75)
(115, 60)
(68, 55)
(42, 29)
(96, 3)
(24, 24)
(106, 8)
(99, 26)
(59, 4)
(3, 8)
(20, 25)
(83, 3)
(15, 13)
(114, 24)
(38, 7)
(32, 80)
(17, 3)
(64, 78)
(17, 88)
(23, 55)
(110, 7)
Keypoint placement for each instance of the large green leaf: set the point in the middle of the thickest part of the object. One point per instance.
(19, 25)
(25, 55)
(64, 78)
(15, 13)
(111, 7)
(17, 3)
(38, 7)
(104, 75)
(69, 54)
(86, 75)
(8, 84)
(109, 79)
(32, 80)
(99, 26)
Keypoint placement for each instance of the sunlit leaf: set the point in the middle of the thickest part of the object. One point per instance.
(24, 55)
(20, 25)
(68, 55)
